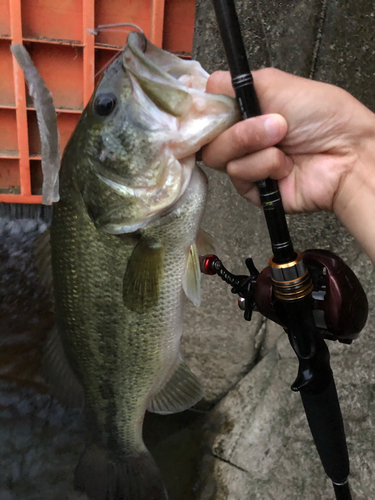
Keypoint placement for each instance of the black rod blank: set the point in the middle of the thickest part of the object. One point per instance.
(319, 395)
(243, 85)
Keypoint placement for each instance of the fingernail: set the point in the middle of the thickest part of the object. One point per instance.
(272, 126)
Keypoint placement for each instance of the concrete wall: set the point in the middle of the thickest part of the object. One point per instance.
(333, 42)
(258, 445)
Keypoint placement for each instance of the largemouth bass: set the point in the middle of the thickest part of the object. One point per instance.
(124, 240)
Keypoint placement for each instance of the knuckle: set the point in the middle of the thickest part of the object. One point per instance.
(216, 76)
(241, 136)
(232, 169)
(276, 158)
(269, 74)
(250, 136)
(214, 81)
(217, 82)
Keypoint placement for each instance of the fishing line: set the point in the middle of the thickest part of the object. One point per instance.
(103, 27)
(114, 29)
(108, 63)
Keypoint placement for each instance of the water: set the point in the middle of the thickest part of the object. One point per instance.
(175, 442)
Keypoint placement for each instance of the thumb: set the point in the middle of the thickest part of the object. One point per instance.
(244, 138)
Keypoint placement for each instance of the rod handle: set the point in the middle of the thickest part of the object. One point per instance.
(342, 491)
(327, 428)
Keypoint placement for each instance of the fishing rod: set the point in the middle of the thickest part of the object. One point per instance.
(313, 295)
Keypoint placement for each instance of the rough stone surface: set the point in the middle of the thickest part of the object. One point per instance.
(347, 49)
(217, 344)
(285, 35)
(259, 445)
(41, 442)
(25, 316)
(275, 33)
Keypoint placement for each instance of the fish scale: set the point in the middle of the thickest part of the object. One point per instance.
(124, 250)
(154, 338)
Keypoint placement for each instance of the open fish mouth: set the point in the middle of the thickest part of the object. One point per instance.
(156, 67)
(178, 88)
(170, 105)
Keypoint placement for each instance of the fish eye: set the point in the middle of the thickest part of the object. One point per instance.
(104, 104)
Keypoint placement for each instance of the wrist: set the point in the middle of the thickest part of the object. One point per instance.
(354, 203)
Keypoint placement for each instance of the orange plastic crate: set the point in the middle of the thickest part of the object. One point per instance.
(68, 57)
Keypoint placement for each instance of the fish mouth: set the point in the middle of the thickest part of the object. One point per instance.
(165, 76)
(142, 41)
(178, 88)
(170, 103)
(165, 65)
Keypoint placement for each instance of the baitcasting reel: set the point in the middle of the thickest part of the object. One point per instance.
(340, 305)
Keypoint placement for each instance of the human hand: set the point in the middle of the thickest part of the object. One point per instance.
(320, 130)
(325, 154)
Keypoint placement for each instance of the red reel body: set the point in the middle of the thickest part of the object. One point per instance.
(340, 303)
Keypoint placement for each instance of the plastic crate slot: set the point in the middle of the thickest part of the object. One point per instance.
(102, 59)
(66, 123)
(8, 133)
(77, 112)
(114, 11)
(61, 67)
(35, 148)
(4, 18)
(70, 43)
(36, 175)
(60, 20)
(7, 95)
(179, 16)
(9, 176)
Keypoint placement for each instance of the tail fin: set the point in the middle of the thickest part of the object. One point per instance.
(135, 477)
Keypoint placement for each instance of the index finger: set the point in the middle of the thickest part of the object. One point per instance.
(243, 138)
(220, 83)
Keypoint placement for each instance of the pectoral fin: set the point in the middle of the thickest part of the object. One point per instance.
(142, 277)
(182, 391)
(191, 281)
